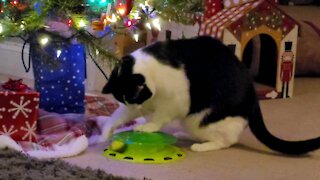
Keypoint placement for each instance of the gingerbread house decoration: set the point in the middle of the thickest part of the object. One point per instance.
(261, 35)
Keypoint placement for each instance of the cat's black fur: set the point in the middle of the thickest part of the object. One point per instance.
(218, 80)
(127, 90)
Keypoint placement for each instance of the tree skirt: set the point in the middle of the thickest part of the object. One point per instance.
(64, 135)
(15, 165)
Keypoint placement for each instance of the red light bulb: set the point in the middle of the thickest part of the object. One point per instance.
(129, 23)
(14, 3)
(69, 22)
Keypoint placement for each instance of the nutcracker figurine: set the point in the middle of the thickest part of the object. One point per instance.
(286, 72)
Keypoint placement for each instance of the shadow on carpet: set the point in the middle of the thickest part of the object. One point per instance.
(15, 165)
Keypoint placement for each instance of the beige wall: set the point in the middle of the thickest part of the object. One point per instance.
(177, 30)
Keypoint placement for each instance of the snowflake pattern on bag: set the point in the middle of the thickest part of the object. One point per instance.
(19, 114)
(3, 109)
(20, 108)
(8, 131)
(30, 130)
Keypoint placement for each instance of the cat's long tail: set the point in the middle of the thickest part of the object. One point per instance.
(259, 129)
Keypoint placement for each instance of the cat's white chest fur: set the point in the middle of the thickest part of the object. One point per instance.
(170, 88)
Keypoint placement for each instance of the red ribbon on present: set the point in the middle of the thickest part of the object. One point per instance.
(15, 85)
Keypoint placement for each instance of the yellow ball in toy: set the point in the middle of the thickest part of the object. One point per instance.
(117, 145)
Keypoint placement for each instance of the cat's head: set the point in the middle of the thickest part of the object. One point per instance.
(125, 86)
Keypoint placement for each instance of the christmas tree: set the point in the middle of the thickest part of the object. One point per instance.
(91, 22)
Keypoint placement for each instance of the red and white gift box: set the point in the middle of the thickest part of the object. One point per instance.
(19, 114)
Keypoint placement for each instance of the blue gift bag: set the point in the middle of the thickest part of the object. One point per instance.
(61, 86)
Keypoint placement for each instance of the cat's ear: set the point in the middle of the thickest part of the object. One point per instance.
(127, 63)
(142, 92)
(109, 87)
(138, 79)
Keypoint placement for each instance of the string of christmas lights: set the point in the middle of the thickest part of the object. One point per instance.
(88, 21)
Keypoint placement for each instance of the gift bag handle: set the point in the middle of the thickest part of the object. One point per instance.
(26, 67)
(97, 65)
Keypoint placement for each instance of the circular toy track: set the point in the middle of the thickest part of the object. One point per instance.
(142, 147)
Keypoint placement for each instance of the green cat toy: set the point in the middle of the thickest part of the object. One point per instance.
(143, 147)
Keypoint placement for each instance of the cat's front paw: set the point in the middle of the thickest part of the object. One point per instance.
(148, 127)
(106, 134)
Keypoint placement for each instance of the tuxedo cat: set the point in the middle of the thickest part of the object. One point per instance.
(200, 82)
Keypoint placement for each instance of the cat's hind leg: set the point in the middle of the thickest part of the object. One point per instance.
(217, 135)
